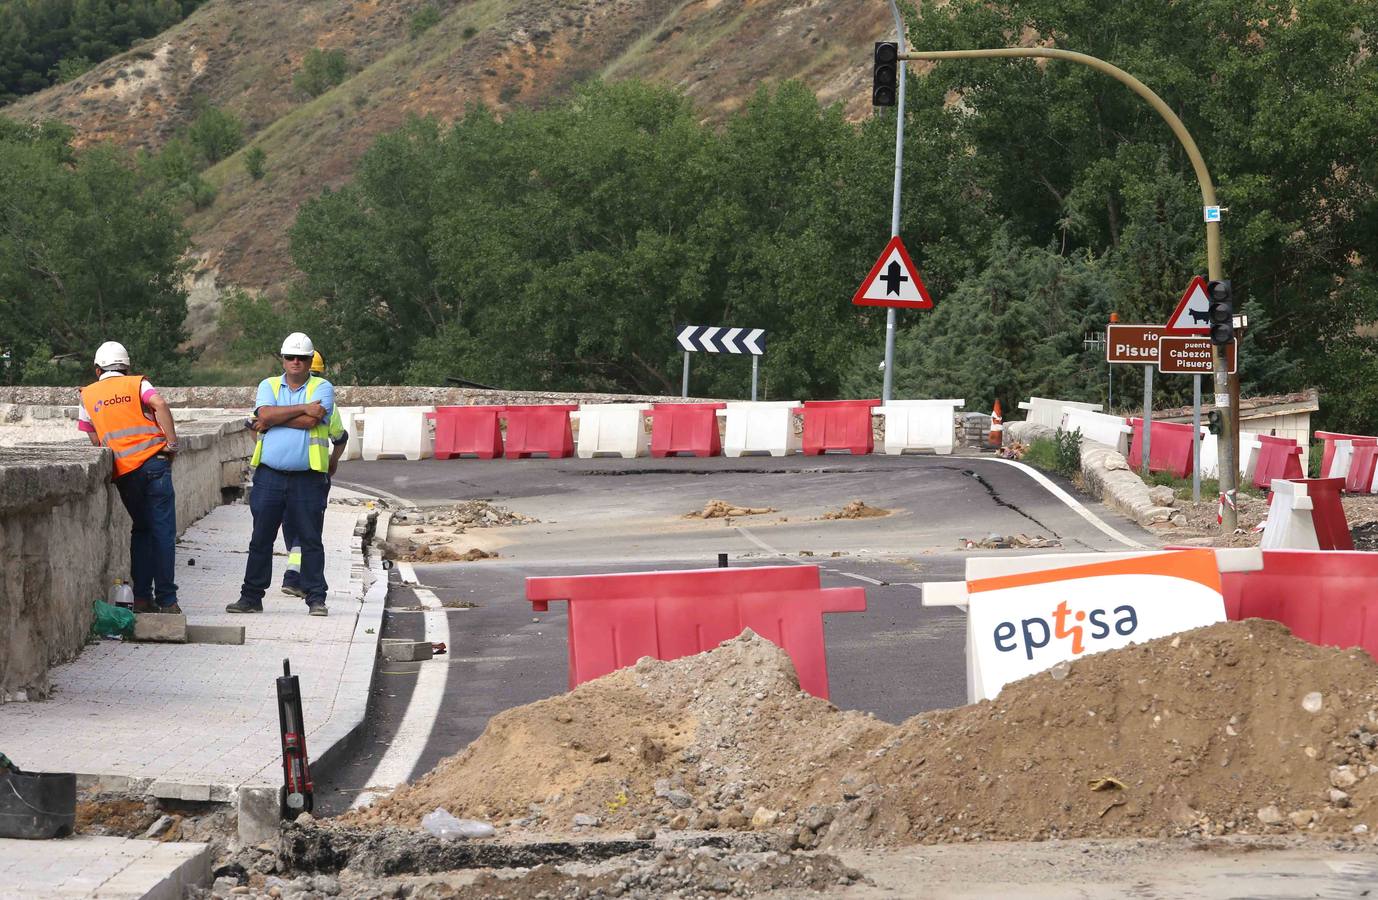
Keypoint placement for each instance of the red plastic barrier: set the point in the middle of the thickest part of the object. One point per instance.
(467, 429)
(1170, 451)
(1328, 513)
(1329, 438)
(838, 425)
(1359, 479)
(1327, 597)
(614, 620)
(685, 428)
(539, 429)
(1277, 458)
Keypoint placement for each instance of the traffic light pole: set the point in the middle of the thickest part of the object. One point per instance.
(891, 313)
(1226, 385)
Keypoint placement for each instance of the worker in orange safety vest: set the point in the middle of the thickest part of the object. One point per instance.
(124, 414)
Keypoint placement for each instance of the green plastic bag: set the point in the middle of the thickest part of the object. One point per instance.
(111, 620)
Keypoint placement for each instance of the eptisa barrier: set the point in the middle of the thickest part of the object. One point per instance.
(1027, 614)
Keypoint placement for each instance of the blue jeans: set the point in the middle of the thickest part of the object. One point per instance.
(148, 496)
(292, 577)
(294, 502)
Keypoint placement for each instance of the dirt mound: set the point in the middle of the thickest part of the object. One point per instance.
(435, 553)
(721, 509)
(1234, 728)
(857, 509)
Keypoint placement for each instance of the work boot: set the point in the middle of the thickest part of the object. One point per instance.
(144, 606)
(243, 606)
(171, 608)
(292, 590)
(317, 608)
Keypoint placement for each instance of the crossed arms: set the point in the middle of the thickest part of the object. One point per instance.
(298, 415)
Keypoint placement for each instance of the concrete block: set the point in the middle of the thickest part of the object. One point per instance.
(215, 634)
(161, 627)
(405, 651)
(260, 815)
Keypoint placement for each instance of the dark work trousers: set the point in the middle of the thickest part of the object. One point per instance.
(295, 500)
(292, 576)
(148, 496)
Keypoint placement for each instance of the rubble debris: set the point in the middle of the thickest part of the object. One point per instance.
(467, 514)
(857, 509)
(721, 509)
(1202, 731)
(433, 553)
(1007, 542)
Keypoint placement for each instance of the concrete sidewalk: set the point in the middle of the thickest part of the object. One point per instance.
(198, 721)
(110, 868)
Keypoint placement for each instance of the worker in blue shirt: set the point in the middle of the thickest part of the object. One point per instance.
(291, 475)
(339, 438)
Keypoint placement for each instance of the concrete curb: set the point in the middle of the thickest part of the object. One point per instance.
(346, 730)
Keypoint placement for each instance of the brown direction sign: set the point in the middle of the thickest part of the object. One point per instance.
(1192, 355)
(1132, 343)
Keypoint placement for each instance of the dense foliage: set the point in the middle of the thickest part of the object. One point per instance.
(560, 248)
(87, 254)
(43, 42)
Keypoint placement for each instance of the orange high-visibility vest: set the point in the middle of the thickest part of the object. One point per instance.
(117, 413)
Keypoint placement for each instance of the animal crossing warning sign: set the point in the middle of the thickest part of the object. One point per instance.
(1192, 315)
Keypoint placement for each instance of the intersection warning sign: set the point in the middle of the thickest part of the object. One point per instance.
(894, 281)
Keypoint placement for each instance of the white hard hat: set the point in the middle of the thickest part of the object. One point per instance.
(297, 344)
(112, 353)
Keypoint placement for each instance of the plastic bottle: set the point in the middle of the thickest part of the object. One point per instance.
(446, 827)
(121, 594)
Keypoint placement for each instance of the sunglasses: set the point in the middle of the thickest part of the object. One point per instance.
(297, 358)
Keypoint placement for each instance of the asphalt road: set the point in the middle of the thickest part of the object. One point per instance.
(895, 659)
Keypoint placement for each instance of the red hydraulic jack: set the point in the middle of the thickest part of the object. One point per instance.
(296, 796)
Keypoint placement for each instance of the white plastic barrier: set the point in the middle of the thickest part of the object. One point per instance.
(763, 426)
(352, 418)
(954, 593)
(1249, 445)
(1099, 427)
(397, 431)
(615, 428)
(1339, 463)
(1289, 525)
(1046, 411)
(919, 425)
(1210, 454)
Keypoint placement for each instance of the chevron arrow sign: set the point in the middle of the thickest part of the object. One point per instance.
(713, 339)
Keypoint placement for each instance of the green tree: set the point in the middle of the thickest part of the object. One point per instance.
(216, 133)
(253, 162)
(320, 71)
(85, 257)
(425, 18)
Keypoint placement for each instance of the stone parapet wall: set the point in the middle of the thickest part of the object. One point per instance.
(64, 537)
(14, 399)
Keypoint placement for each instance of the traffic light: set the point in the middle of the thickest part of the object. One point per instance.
(885, 75)
(1215, 422)
(1220, 296)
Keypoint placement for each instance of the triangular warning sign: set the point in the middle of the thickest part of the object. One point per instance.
(894, 281)
(1190, 316)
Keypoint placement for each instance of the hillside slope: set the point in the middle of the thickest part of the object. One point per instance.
(242, 55)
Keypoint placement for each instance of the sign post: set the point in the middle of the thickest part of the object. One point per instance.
(1196, 439)
(891, 314)
(715, 339)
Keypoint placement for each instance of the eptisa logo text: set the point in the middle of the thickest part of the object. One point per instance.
(1035, 633)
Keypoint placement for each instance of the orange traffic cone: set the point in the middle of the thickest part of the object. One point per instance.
(997, 427)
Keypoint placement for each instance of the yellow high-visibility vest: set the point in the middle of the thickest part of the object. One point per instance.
(318, 438)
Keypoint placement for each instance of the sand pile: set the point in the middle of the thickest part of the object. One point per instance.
(857, 509)
(721, 509)
(1234, 728)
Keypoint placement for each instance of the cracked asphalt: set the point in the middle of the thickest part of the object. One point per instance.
(895, 659)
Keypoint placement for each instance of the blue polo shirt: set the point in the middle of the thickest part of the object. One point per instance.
(283, 447)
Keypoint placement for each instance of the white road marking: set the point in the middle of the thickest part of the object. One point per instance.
(406, 572)
(1066, 498)
(866, 578)
(404, 752)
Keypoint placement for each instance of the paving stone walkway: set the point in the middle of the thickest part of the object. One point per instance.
(198, 721)
(110, 868)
